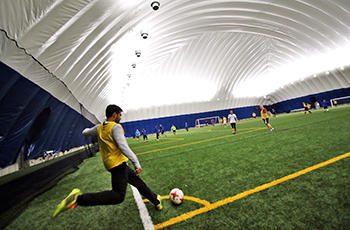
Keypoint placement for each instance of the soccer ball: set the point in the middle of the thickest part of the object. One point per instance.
(176, 196)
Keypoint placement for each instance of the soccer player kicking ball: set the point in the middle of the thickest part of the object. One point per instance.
(115, 154)
(265, 118)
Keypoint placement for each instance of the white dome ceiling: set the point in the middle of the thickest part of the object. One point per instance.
(200, 55)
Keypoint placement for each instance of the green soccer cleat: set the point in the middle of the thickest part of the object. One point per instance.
(159, 206)
(68, 203)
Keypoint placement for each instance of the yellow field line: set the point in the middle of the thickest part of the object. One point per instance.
(197, 142)
(209, 207)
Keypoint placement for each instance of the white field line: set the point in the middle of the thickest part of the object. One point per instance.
(146, 219)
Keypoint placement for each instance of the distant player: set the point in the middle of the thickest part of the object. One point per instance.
(144, 134)
(173, 128)
(274, 112)
(224, 118)
(265, 118)
(162, 130)
(212, 122)
(233, 119)
(254, 115)
(157, 130)
(186, 126)
(137, 134)
(306, 108)
(335, 103)
(324, 104)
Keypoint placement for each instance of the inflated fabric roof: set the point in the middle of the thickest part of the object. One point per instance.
(199, 55)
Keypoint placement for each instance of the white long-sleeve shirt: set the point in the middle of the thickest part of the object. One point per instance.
(232, 118)
(120, 140)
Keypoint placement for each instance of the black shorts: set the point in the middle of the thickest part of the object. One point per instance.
(266, 121)
(306, 109)
(233, 125)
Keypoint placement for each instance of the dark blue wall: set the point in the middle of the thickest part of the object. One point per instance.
(297, 103)
(179, 121)
(33, 120)
(242, 113)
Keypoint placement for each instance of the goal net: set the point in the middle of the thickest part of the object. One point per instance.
(340, 101)
(207, 121)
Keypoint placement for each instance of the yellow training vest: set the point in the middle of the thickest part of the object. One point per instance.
(264, 115)
(111, 154)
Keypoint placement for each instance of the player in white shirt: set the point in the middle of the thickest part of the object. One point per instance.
(233, 119)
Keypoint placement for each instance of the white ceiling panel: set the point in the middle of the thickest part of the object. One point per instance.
(200, 55)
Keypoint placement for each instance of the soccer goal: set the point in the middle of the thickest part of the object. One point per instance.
(207, 121)
(340, 101)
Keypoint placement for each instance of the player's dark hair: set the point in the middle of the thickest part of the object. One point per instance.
(111, 109)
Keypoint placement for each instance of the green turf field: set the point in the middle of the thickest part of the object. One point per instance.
(252, 180)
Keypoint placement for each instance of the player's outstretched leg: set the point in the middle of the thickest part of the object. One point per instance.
(68, 203)
(144, 190)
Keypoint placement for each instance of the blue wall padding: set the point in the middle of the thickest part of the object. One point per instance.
(21, 102)
(297, 103)
(242, 113)
(179, 121)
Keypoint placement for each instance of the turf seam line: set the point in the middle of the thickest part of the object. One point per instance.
(145, 217)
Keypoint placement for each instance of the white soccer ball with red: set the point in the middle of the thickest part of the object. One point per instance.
(176, 196)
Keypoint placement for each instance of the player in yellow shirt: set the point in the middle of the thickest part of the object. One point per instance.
(254, 115)
(173, 128)
(225, 121)
(115, 153)
(265, 118)
(306, 107)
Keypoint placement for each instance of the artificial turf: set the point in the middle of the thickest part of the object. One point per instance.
(213, 165)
